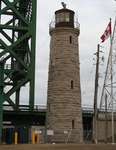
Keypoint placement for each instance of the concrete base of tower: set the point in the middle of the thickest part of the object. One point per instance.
(64, 136)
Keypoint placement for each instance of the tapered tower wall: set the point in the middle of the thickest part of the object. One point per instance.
(64, 116)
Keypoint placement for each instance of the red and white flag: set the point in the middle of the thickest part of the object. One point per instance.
(107, 33)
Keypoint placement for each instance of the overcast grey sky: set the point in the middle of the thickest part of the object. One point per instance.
(93, 16)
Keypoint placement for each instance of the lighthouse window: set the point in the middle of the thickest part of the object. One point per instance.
(73, 124)
(48, 107)
(72, 84)
(70, 38)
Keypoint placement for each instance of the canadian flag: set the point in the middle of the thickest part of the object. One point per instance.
(107, 33)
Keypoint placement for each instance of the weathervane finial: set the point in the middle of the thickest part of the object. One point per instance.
(64, 5)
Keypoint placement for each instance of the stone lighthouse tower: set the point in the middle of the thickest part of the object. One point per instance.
(64, 116)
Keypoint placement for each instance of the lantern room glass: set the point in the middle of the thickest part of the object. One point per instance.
(63, 17)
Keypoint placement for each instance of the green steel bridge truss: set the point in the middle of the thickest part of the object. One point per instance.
(17, 52)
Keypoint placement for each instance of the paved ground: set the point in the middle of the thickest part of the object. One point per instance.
(58, 147)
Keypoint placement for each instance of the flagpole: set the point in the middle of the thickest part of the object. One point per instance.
(112, 102)
(108, 33)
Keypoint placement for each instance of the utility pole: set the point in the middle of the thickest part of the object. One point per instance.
(95, 115)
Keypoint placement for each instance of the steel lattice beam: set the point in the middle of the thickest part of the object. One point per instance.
(17, 50)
